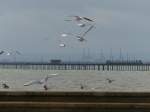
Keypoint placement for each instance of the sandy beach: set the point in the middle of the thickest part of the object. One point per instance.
(77, 80)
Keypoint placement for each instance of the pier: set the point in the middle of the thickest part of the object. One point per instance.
(77, 66)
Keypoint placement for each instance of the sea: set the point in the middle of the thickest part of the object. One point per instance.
(76, 80)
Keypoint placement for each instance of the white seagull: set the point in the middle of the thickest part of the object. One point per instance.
(79, 37)
(2, 52)
(81, 24)
(42, 81)
(12, 52)
(62, 45)
(76, 18)
(64, 35)
(81, 21)
(80, 18)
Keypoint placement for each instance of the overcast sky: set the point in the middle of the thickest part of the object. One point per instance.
(35, 26)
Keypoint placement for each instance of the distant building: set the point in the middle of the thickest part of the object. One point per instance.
(55, 61)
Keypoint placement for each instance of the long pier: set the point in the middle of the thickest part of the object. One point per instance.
(76, 66)
(74, 101)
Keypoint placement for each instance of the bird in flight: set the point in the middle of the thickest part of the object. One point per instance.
(79, 19)
(62, 45)
(1, 52)
(42, 81)
(79, 37)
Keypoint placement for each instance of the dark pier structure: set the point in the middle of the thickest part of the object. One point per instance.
(108, 66)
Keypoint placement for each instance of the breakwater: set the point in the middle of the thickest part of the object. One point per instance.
(76, 66)
(74, 101)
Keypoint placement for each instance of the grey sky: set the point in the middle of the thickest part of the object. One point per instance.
(34, 26)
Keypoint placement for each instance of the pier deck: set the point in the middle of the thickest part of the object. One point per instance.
(76, 66)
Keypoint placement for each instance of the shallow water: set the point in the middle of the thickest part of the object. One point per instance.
(72, 80)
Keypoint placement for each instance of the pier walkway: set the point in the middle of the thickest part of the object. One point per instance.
(76, 66)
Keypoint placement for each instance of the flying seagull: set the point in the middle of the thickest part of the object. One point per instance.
(81, 21)
(42, 82)
(81, 24)
(64, 35)
(80, 18)
(2, 52)
(79, 37)
(88, 19)
(12, 52)
(76, 18)
(62, 45)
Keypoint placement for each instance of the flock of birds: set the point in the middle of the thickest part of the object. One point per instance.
(10, 52)
(44, 84)
(82, 22)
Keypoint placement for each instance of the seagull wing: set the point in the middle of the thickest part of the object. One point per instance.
(73, 35)
(67, 20)
(1, 52)
(44, 80)
(52, 75)
(85, 18)
(81, 24)
(67, 34)
(64, 35)
(89, 29)
(17, 52)
(77, 18)
(62, 45)
(32, 82)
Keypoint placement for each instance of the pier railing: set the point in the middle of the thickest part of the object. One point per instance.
(76, 66)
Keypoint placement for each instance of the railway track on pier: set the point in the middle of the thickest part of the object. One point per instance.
(74, 101)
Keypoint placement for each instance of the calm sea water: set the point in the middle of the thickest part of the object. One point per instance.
(72, 80)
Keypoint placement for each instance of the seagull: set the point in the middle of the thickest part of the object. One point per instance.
(81, 21)
(42, 81)
(15, 52)
(5, 86)
(2, 52)
(88, 19)
(64, 35)
(81, 24)
(79, 37)
(62, 45)
(76, 18)
(80, 18)
(109, 80)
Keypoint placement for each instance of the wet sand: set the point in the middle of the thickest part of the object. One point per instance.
(132, 81)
